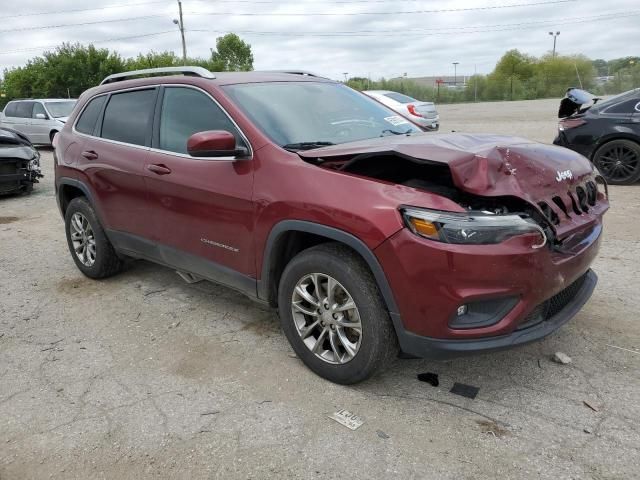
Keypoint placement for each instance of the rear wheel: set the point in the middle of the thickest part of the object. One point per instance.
(333, 315)
(90, 248)
(619, 162)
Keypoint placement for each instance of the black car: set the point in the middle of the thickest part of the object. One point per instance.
(19, 163)
(608, 133)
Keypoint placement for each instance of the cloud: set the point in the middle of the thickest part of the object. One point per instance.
(391, 43)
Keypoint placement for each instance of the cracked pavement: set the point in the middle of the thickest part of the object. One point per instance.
(145, 376)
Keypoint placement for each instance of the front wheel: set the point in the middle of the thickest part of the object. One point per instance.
(619, 162)
(333, 315)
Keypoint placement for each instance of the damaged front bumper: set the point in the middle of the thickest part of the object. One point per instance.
(455, 300)
(440, 349)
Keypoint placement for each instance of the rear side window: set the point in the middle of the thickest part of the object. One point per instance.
(186, 111)
(127, 117)
(89, 116)
(628, 106)
(24, 109)
(11, 110)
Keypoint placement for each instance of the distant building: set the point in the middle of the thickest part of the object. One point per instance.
(445, 81)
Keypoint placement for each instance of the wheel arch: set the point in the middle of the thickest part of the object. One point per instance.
(70, 188)
(289, 237)
(612, 137)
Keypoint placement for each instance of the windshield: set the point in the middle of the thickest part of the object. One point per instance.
(60, 109)
(309, 114)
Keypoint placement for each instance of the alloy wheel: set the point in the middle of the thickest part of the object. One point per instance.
(618, 163)
(326, 318)
(83, 239)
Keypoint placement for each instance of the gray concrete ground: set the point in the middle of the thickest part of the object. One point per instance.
(145, 376)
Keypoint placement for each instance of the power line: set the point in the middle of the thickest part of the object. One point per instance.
(47, 27)
(83, 9)
(130, 37)
(433, 31)
(406, 12)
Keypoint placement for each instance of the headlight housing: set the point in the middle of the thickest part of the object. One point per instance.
(471, 228)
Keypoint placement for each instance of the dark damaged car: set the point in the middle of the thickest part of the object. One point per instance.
(19, 163)
(369, 236)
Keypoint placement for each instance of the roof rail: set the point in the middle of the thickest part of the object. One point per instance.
(188, 71)
(296, 72)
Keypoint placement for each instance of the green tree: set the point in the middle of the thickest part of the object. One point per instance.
(66, 71)
(232, 54)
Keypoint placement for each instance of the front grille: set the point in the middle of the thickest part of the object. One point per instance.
(8, 168)
(575, 202)
(554, 305)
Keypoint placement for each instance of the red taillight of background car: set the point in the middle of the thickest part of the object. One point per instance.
(568, 123)
(413, 111)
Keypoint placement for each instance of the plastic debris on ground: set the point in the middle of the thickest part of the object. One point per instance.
(468, 391)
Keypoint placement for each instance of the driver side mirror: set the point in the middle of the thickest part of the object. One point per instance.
(215, 144)
(41, 116)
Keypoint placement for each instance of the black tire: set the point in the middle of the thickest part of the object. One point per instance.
(378, 342)
(625, 151)
(107, 262)
(52, 135)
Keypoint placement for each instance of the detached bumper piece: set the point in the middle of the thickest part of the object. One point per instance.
(545, 319)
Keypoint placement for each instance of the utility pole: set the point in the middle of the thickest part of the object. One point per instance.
(554, 35)
(455, 74)
(180, 24)
(475, 82)
(345, 76)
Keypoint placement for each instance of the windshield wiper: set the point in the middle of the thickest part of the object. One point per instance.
(395, 132)
(306, 145)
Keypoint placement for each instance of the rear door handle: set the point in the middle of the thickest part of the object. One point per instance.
(89, 155)
(159, 169)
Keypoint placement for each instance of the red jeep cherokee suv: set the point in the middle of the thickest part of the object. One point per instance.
(368, 235)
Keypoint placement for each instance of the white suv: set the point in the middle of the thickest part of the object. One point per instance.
(39, 120)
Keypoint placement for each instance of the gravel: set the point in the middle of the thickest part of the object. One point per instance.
(101, 379)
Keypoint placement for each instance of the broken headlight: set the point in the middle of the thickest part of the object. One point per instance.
(34, 164)
(475, 228)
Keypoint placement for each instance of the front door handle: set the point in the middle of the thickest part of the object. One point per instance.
(159, 169)
(89, 155)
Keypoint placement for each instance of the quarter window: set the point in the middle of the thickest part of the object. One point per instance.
(11, 110)
(186, 111)
(89, 116)
(127, 117)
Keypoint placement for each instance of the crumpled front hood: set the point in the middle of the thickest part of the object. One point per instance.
(486, 165)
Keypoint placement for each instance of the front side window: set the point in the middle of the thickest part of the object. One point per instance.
(89, 116)
(38, 109)
(60, 109)
(186, 111)
(128, 115)
(298, 115)
(24, 109)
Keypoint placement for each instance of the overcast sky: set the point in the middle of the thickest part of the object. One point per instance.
(361, 37)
